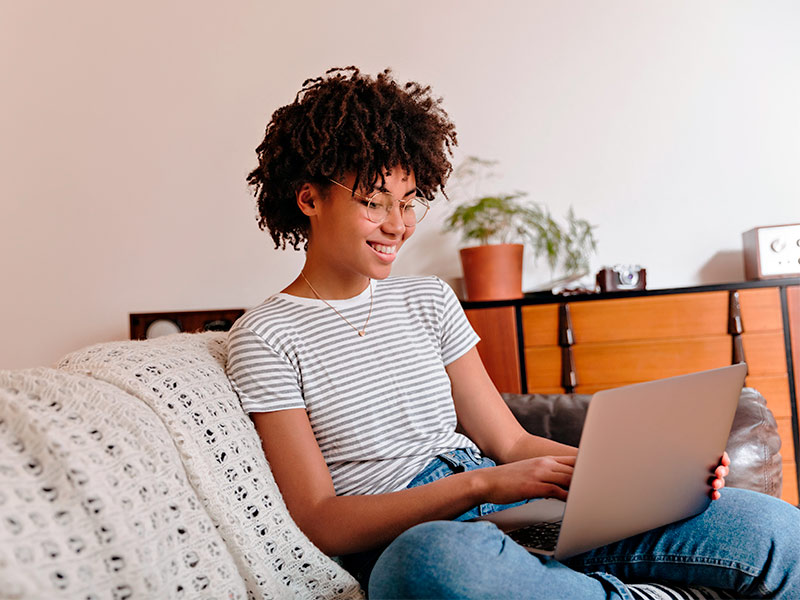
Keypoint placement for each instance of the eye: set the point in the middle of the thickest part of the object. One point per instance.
(374, 198)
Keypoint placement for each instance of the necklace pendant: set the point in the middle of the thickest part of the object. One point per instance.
(361, 332)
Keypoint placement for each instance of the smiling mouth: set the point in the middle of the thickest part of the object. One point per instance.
(383, 249)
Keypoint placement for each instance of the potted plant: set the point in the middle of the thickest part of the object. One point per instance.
(501, 225)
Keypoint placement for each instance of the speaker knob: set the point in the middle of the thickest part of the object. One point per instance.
(777, 245)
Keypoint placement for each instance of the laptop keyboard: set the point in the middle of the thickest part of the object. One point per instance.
(540, 536)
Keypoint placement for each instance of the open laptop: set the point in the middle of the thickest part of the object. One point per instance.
(646, 455)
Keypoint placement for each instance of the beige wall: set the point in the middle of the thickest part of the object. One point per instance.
(128, 128)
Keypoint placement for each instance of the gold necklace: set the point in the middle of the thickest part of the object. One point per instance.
(361, 332)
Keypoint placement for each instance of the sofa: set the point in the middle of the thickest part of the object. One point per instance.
(129, 470)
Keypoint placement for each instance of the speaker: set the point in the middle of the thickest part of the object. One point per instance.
(772, 252)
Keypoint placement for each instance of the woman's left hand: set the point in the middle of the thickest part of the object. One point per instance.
(720, 473)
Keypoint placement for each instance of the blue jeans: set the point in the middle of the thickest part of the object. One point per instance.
(745, 542)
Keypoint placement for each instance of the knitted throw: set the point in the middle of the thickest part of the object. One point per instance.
(132, 472)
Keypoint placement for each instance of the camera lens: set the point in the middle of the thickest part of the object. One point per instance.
(628, 278)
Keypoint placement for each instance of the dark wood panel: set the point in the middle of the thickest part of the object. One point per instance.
(497, 328)
(188, 321)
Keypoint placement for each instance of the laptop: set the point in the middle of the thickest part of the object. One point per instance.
(645, 459)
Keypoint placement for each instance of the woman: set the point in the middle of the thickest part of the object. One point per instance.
(381, 426)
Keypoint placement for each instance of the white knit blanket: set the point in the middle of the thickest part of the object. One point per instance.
(132, 472)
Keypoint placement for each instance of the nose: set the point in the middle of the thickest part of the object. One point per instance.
(394, 220)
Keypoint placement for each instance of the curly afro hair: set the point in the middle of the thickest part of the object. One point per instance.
(347, 122)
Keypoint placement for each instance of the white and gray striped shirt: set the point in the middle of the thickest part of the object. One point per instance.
(380, 406)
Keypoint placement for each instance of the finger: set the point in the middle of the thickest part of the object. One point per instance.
(561, 468)
(715, 495)
(554, 491)
(560, 479)
(722, 472)
(548, 478)
(565, 460)
(726, 460)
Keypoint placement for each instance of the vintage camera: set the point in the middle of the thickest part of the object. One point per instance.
(622, 278)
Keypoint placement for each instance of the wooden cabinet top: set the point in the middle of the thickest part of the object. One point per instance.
(549, 298)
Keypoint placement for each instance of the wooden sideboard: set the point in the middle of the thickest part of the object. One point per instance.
(584, 343)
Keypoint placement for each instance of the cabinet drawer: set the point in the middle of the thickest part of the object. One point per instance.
(540, 325)
(765, 352)
(653, 317)
(633, 362)
(650, 318)
(761, 309)
(543, 368)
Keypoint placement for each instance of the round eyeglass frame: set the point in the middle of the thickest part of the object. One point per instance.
(372, 206)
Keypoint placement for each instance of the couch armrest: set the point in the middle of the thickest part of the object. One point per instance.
(753, 446)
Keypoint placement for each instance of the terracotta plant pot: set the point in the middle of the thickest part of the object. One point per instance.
(493, 272)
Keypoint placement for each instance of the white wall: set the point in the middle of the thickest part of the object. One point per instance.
(128, 129)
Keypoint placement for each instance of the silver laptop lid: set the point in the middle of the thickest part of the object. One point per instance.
(646, 454)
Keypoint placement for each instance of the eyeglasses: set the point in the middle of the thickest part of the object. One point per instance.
(380, 204)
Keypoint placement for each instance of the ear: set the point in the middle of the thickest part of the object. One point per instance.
(307, 198)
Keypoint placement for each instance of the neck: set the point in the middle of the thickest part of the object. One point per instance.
(326, 286)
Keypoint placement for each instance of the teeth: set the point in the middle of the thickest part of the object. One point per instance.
(384, 249)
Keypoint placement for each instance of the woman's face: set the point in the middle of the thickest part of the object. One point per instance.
(343, 240)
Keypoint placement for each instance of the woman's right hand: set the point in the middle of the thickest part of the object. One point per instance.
(541, 477)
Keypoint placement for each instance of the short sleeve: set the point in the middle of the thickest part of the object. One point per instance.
(456, 334)
(264, 379)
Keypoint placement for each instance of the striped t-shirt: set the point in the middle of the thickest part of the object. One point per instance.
(380, 406)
